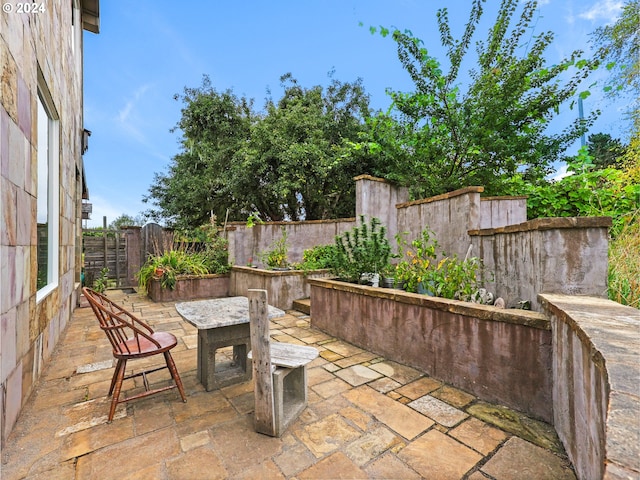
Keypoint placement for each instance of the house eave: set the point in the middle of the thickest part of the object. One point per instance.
(91, 15)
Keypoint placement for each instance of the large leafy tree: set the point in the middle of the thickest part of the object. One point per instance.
(126, 220)
(290, 162)
(451, 132)
(295, 165)
(620, 44)
(214, 125)
(605, 151)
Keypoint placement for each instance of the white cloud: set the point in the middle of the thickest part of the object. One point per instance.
(124, 113)
(560, 174)
(606, 11)
(103, 207)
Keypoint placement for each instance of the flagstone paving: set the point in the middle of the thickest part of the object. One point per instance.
(368, 417)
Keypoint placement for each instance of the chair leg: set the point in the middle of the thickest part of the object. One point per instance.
(174, 373)
(120, 369)
(115, 374)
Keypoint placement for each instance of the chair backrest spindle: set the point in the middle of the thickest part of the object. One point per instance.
(119, 325)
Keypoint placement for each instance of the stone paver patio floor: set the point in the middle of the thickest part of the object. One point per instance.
(367, 418)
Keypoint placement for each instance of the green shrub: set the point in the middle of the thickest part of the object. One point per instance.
(216, 255)
(624, 265)
(317, 258)
(167, 266)
(365, 249)
(449, 277)
(100, 284)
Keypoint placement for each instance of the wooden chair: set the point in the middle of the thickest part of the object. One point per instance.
(279, 372)
(131, 339)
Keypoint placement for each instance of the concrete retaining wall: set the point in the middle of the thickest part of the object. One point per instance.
(559, 255)
(450, 216)
(246, 243)
(496, 212)
(283, 287)
(502, 356)
(191, 288)
(378, 198)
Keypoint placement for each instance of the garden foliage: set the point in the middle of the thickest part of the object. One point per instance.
(363, 250)
(450, 133)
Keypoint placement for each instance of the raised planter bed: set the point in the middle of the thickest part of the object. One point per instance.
(500, 355)
(283, 286)
(191, 288)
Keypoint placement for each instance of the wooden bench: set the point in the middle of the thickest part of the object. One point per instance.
(279, 372)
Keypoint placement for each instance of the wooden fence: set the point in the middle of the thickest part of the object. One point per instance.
(121, 252)
(105, 249)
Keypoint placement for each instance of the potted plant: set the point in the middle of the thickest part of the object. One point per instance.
(388, 276)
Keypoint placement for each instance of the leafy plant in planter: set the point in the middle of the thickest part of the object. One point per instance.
(100, 284)
(168, 265)
(363, 250)
(317, 258)
(215, 255)
(454, 278)
(420, 254)
(213, 258)
(276, 255)
(448, 278)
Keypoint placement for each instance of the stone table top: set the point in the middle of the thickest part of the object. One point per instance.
(219, 312)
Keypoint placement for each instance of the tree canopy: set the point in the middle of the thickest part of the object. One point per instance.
(288, 162)
(449, 133)
(126, 220)
(214, 125)
(620, 44)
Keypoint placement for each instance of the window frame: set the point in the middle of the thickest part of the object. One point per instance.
(52, 122)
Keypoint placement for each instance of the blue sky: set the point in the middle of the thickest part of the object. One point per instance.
(149, 50)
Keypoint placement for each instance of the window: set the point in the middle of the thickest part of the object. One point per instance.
(76, 34)
(47, 211)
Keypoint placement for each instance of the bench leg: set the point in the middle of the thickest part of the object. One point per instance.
(208, 345)
(289, 396)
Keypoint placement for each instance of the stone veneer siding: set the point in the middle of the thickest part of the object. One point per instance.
(30, 43)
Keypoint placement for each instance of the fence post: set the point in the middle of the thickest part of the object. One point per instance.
(104, 236)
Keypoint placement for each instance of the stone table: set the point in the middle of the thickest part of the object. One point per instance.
(222, 322)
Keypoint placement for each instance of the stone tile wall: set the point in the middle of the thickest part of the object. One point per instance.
(30, 43)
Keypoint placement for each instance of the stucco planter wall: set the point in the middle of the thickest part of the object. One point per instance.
(283, 287)
(501, 356)
(191, 288)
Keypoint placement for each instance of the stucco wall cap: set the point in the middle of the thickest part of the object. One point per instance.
(482, 312)
(547, 224)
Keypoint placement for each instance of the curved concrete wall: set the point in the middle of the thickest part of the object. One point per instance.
(596, 388)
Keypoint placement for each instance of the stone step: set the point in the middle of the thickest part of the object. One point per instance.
(302, 305)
